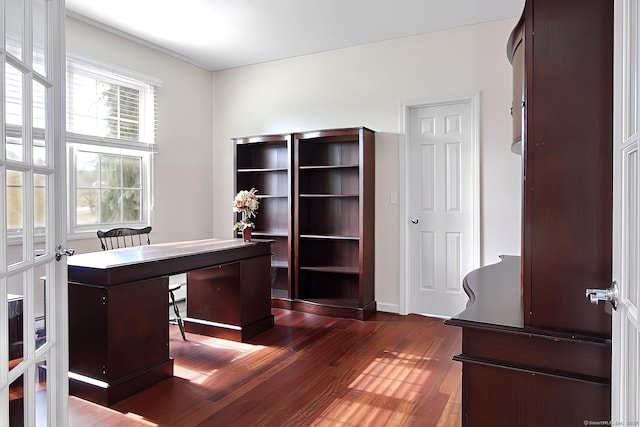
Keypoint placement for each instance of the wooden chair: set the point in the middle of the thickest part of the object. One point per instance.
(127, 237)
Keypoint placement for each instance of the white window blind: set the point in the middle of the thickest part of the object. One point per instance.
(109, 108)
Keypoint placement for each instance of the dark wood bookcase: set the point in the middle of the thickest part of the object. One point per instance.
(334, 222)
(264, 163)
(316, 193)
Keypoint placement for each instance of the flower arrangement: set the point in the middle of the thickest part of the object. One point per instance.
(246, 201)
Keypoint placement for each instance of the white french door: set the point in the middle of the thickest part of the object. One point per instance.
(625, 377)
(33, 356)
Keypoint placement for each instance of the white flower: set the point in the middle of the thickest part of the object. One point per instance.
(247, 202)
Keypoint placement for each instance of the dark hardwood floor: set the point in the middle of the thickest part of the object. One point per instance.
(308, 370)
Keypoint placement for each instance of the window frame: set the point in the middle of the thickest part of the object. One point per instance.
(145, 148)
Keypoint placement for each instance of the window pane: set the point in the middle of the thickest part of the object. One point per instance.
(131, 205)
(110, 210)
(87, 169)
(110, 171)
(131, 168)
(39, 124)
(14, 27)
(13, 112)
(100, 108)
(39, 11)
(87, 206)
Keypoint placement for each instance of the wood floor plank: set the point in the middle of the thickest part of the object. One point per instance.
(389, 370)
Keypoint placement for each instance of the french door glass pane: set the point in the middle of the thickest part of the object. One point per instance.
(15, 310)
(40, 305)
(39, 10)
(15, 208)
(13, 113)
(16, 402)
(39, 124)
(15, 306)
(14, 27)
(41, 393)
(39, 203)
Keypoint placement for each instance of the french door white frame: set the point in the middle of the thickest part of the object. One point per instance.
(54, 350)
(404, 159)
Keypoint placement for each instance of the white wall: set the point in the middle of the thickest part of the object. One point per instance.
(366, 86)
(183, 166)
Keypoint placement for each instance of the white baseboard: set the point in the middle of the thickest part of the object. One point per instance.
(388, 308)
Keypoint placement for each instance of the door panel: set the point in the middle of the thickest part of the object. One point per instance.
(441, 230)
(567, 214)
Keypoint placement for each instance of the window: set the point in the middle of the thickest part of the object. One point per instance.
(111, 140)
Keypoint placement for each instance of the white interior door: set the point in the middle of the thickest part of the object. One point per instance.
(441, 206)
(33, 364)
(625, 408)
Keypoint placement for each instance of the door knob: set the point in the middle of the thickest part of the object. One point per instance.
(60, 252)
(415, 220)
(611, 295)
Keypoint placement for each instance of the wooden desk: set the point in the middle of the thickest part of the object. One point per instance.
(118, 316)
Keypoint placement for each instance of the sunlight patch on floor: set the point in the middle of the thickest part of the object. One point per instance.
(92, 411)
(237, 350)
(243, 349)
(395, 376)
(196, 377)
(345, 414)
(139, 419)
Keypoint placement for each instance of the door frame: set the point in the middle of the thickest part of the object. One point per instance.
(404, 158)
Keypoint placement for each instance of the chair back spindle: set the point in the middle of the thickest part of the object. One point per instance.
(124, 237)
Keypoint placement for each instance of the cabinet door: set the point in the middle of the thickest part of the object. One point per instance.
(568, 187)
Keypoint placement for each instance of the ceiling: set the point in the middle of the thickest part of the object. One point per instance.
(222, 34)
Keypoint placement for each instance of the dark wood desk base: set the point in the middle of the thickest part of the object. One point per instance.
(230, 301)
(118, 339)
(109, 393)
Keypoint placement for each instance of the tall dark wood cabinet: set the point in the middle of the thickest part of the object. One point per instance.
(334, 226)
(264, 163)
(535, 351)
(316, 193)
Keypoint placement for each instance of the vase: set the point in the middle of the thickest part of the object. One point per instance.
(246, 233)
